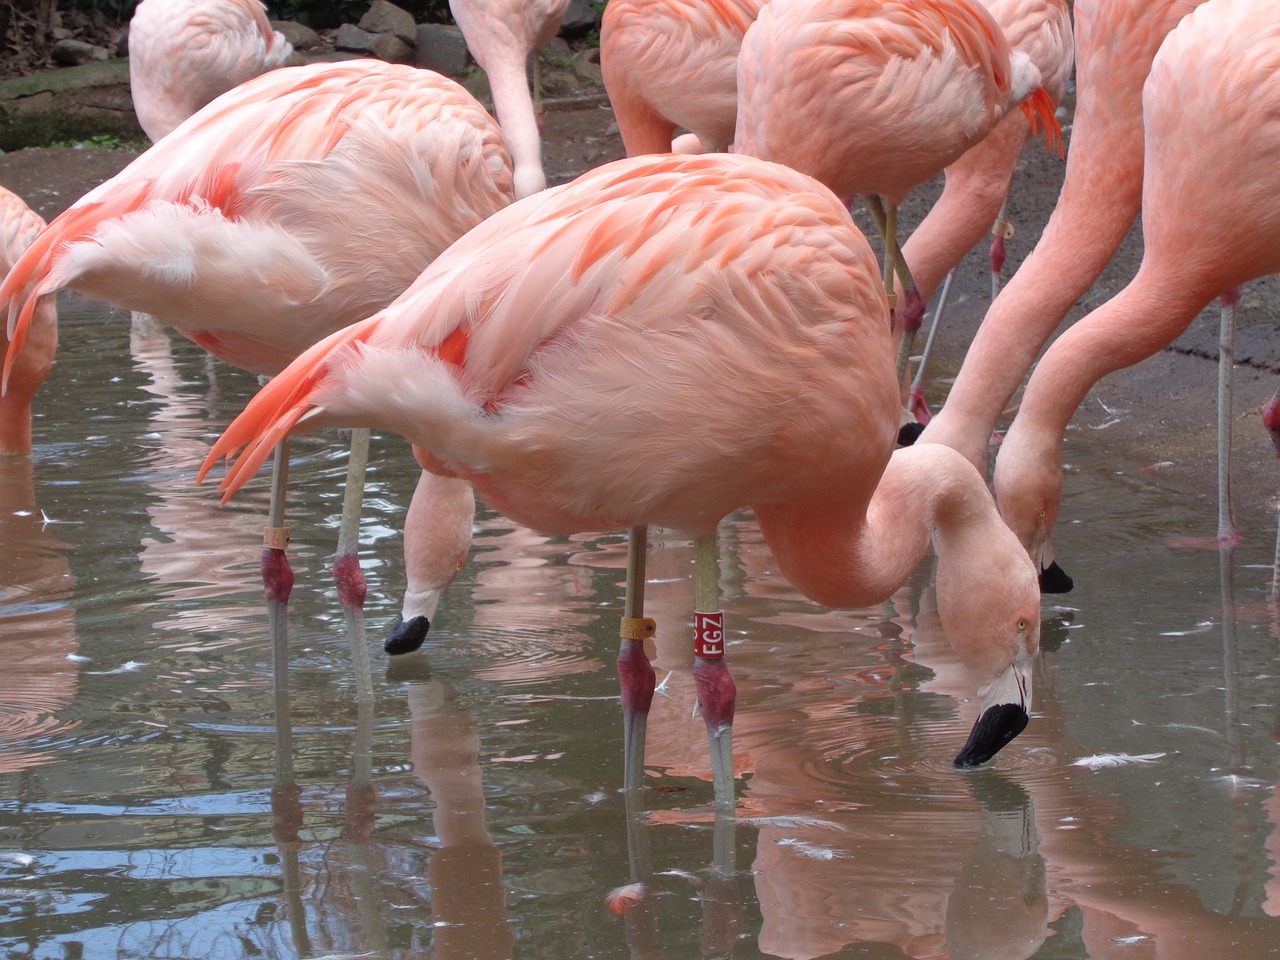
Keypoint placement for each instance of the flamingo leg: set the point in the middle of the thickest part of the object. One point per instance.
(717, 693)
(346, 563)
(915, 396)
(1000, 232)
(635, 672)
(895, 265)
(1227, 534)
(277, 583)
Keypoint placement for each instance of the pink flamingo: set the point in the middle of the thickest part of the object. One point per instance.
(663, 341)
(183, 53)
(977, 188)
(294, 204)
(1116, 41)
(501, 35)
(19, 225)
(673, 63)
(874, 97)
(1210, 159)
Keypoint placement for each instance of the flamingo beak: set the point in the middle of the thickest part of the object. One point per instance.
(407, 635)
(1006, 704)
(1053, 579)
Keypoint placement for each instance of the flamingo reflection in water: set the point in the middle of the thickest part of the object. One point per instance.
(38, 642)
(864, 835)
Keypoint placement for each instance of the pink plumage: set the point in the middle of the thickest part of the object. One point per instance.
(1116, 41)
(663, 341)
(19, 225)
(673, 63)
(501, 35)
(183, 53)
(1210, 222)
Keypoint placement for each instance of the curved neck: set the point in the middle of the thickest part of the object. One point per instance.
(856, 552)
(512, 102)
(1100, 198)
(1142, 319)
(976, 187)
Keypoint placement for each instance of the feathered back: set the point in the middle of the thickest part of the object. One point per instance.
(370, 168)
(903, 88)
(183, 53)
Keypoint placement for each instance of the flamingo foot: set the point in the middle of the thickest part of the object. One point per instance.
(407, 636)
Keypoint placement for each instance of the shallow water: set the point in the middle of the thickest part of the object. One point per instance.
(474, 810)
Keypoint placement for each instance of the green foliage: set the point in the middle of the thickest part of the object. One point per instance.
(106, 141)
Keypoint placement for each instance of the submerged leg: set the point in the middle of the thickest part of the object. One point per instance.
(346, 563)
(635, 672)
(277, 583)
(717, 693)
(1227, 534)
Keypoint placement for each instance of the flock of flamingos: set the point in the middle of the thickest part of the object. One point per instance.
(697, 328)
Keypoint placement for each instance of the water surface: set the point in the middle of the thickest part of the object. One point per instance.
(474, 812)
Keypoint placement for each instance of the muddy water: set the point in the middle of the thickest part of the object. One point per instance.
(473, 812)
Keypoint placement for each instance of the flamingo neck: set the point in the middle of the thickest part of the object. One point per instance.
(1144, 318)
(1100, 198)
(857, 552)
(513, 103)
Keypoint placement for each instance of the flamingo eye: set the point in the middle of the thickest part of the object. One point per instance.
(1022, 624)
(1043, 514)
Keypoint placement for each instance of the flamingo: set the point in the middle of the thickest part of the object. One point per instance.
(977, 185)
(501, 35)
(1212, 146)
(183, 53)
(296, 203)
(673, 63)
(665, 340)
(19, 225)
(875, 97)
(1116, 41)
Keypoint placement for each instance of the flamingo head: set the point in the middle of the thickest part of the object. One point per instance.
(1028, 485)
(989, 605)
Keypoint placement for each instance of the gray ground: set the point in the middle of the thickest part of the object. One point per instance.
(1163, 409)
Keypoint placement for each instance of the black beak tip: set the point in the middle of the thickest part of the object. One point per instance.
(996, 727)
(1053, 579)
(407, 635)
(909, 433)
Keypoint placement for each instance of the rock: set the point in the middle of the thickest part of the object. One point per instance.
(391, 48)
(440, 47)
(73, 53)
(558, 47)
(351, 37)
(385, 17)
(299, 35)
(579, 19)
(588, 73)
